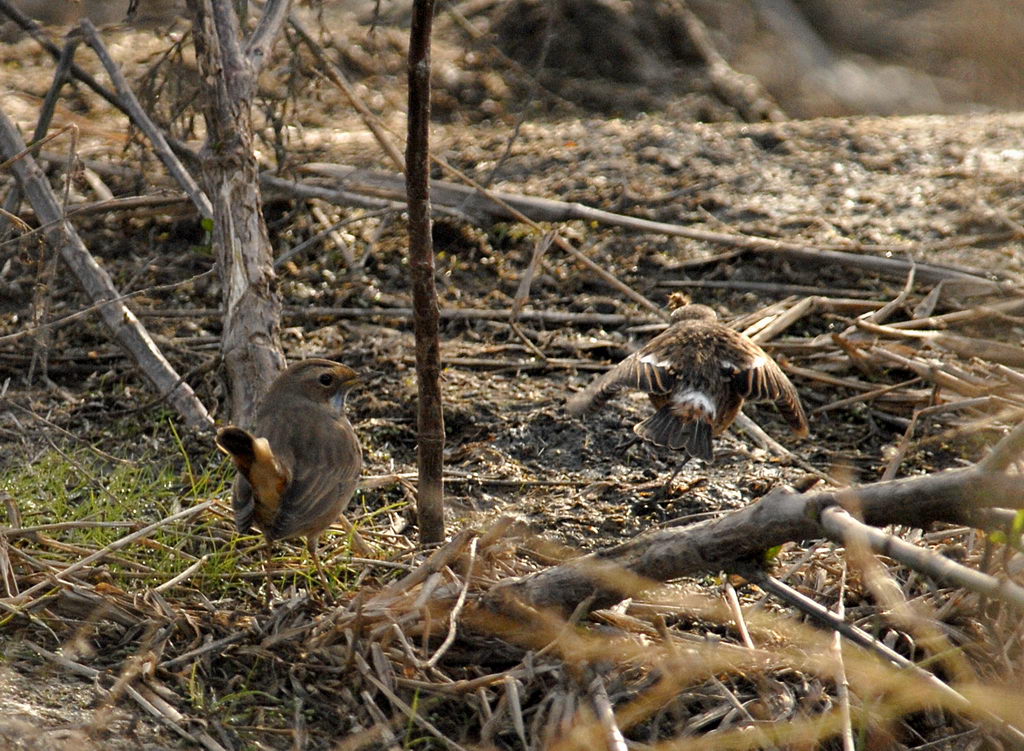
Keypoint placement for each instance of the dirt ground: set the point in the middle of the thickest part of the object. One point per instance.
(937, 189)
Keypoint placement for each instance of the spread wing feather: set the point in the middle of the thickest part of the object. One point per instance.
(763, 380)
(638, 371)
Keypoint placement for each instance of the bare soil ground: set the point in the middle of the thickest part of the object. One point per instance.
(937, 189)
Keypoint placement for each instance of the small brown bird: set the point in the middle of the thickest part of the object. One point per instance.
(697, 374)
(299, 467)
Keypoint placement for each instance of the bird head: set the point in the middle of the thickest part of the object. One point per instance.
(320, 381)
(694, 313)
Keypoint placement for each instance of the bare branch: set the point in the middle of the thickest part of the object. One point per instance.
(1005, 452)
(119, 319)
(840, 526)
(473, 198)
(145, 124)
(863, 639)
(737, 541)
(275, 13)
(430, 417)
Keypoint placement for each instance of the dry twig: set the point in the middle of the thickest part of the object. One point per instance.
(122, 323)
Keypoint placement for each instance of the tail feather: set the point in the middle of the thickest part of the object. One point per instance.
(666, 428)
(243, 504)
(238, 444)
(260, 468)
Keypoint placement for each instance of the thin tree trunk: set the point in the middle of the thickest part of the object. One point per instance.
(250, 343)
(430, 417)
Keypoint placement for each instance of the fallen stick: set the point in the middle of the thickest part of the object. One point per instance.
(129, 203)
(868, 396)
(736, 542)
(500, 205)
(331, 195)
(863, 639)
(852, 383)
(933, 373)
(841, 526)
(452, 314)
(1014, 378)
(96, 676)
(967, 347)
(990, 310)
(119, 319)
(413, 715)
(783, 321)
(771, 288)
(549, 363)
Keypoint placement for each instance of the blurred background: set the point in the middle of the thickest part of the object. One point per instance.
(813, 57)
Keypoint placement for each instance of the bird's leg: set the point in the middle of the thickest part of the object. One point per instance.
(653, 503)
(666, 489)
(312, 543)
(626, 444)
(268, 566)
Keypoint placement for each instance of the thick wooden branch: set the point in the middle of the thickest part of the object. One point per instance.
(119, 319)
(737, 541)
(228, 35)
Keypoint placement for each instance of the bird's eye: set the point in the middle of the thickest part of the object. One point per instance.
(326, 379)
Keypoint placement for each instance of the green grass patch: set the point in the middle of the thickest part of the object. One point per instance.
(81, 500)
(94, 500)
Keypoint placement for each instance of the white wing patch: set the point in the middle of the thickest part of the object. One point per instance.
(698, 399)
(653, 360)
